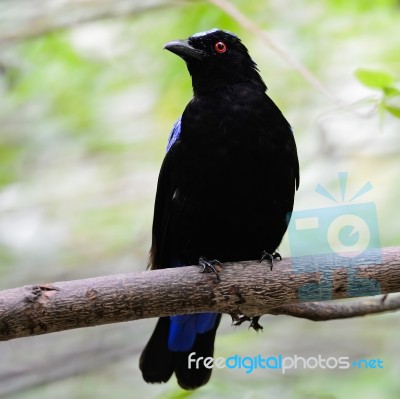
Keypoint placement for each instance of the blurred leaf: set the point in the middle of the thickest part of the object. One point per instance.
(391, 91)
(393, 110)
(374, 79)
(360, 6)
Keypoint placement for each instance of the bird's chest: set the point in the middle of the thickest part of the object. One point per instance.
(220, 141)
(220, 158)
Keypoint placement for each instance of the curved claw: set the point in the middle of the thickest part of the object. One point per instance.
(254, 324)
(270, 257)
(208, 266)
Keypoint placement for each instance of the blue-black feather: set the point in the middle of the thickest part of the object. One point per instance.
(184, 328)
(174, 135)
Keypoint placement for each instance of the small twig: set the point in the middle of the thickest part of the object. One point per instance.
(66, 15)
(332, 311)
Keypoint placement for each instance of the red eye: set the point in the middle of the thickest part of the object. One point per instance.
(220, 47)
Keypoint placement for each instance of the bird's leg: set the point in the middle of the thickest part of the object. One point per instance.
(209, 265)
(239, 320)
(270, 257)
(254, 324)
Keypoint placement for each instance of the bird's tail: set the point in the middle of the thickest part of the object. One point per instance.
(158, 363)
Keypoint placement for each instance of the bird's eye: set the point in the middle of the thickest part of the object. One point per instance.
(220, 47)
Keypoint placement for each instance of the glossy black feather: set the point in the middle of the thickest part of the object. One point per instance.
(226, 185)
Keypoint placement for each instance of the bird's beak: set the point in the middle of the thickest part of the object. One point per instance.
(184, 50)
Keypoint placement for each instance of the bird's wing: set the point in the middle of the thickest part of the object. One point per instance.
(284, 169)
(295, 160)
(167, 182)
(174, 135)
(288, 144)
(289, 176)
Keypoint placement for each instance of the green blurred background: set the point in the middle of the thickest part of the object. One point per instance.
(87, 101)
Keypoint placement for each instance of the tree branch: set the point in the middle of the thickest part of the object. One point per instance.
(245, 288)
(332, 311)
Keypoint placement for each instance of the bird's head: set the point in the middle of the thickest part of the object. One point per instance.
(216, 59)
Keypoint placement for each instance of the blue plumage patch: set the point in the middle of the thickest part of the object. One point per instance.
(174, 135)
(184, 329)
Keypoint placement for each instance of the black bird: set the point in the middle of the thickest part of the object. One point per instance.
(225, 189)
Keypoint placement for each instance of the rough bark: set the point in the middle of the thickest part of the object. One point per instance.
(245, 288)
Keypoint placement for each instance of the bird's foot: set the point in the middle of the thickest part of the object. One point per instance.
(209, 266)
(239, 320)
(254, 324)
(270, 257)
